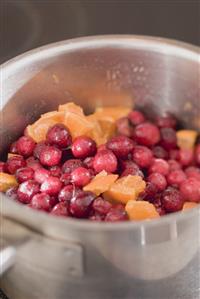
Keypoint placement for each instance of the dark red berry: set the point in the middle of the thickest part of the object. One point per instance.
(121, 146)
(142, 156)
(55, 171)
(96, 217)
(136, 117)
(38, 148)
(116, 214)
(149, 192)
(158, 180)
(168, 138)
(25, 146)
(174, 154)
(174, 165)
(2, 166)
(186, 157)
(12, 193)
(101, 206)
(81, 176)
(66, 193)
(190, 190)
(42, 201)
(65, 178)
(81, 204)
(15, 163)
(159, 152)
(33, 163)
(197, 154)
(71, 165)
(59, 135)
(124, 127)
(130, 168)
(105, 160)
(193, 172)
(24, 174)
(50, 156)
(160, 166)
(27, 190)
(176, 177)
(88, 162)
(167, 121)
(147, 134)
(51, 185)
(41, 174)
(83, 147)
(172, 200)
(61, 209)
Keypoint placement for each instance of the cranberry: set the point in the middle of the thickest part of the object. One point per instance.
(71, 165)
(159, 165)
(168, 138)
(172, 200)
(61, 209)
(124, 127)
(88, 162)
(55, 171)
(193, 172)
(2, 166)
(50, 156)
(15, 163)
(197, 154)
(116, 215)
(102, 147)
(80, 176)
(81, 204)
(24, 174)
(142, 156)
(42, 201)
(121, 146)
(25, 146)
(105, 160)
(41, 175)
(174, 165)
(66, 193)
(96, 217)
(59, 135)
(13, 148)
(101, 206)
(176, 177)
(33, 163)
(158, 180)
(27, 190)
(190, 190)
(149, 192)
(83, 147)
(38, 148)
(136, 117)
(147, 134)
(12, 193)
(130, 168)
(167, 121)
(174, 154)
(65, 178)
(186, 156)
(159, 152)
(52, 185)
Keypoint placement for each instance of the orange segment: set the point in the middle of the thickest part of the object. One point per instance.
(39, 129)
(12, 155)
(141, 210)
(113, 113)
(7, 181)
(125, 189)
(77, 124)
(71, 107)
(55, 115)
(101, 182)
(186, 138)
(189, 205)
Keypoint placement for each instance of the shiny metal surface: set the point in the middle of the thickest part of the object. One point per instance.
(124, 260)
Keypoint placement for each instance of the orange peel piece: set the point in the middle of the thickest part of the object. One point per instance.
(186, 138)
(141, 210)
(114, 113)
(71, 107)
(189, 205)
(77, 124)
(7, 181)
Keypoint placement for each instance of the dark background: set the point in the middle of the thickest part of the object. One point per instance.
(26, 24)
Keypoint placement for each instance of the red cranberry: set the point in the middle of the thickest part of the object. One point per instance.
(51, 185)
(136, 117)
(101, 206)
(12, 193)
(81, 204)
(167, 121)
(71, 165)
(88, 162)
(61, 209)
(65, 178)
(116, 215)
(105, 160)
(160, 166)
(174, 154)
(27, 190)
(124, 127)
(24, 174)
(147, 134)
(102, 147)
(13, 148)
(142, 156)
(59, 135)
(197, 154)
(186, 156)
(33, 163)
(50, 156)
(66, 193)
(42, 201)
(41, 175)
(168, 138)
(190, 190)
(25, 146)
(174, 165)
(159, 152)
(130, 168)
(80, 176)
(38, 148)
(2, 166)
(172, 200)
(83, 147)
(158, 180)
(96, 217)
(176, 177)
(149, 192)
(15, 163)
(55, 171)
(121, 146)
(193, 172)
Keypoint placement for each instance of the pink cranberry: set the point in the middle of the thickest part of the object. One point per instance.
(24, 174)
(149, 192)
(13, 148)
(42, 201)
(41, 175)
(55, 171)
(50, 156)
(101, 206)
(71, 165)
(193, 172)
(12, 193)
(130, 168)
(176, 177)
(142, 156)
(174, 154)
(2, 166)
(124, 127)
(33, 163)
(136, 117)
(147, 134)
(96, 217)
(81, 204)
(186, 157)
(121, 146)
(88, 162)
(15, 163)
(105, 160)
(197, 154)
(52, 185)
(174, 165)
(65, 178)
(27, 190)
(167, 121)
(160, 166)
(172, 200)
(159, 152)
(61, 209)
(80, 176)
(190, 190)
(25, 146)
(83, 147)
(66, 193)
(158, 180)
(168, 138)
(59, 135)
(116, 214)
(38, 148)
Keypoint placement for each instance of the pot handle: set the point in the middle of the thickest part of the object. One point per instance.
(7, 258)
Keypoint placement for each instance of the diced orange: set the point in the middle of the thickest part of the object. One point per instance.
(125, 189)
(78, 124)
(186, 138)
(55, 115)
(189, 205)
(12, 155)
(101, 183)
(7, 181)
(112, 112)
(71, 107)
(141, 210)
(108, 127)
(39, 129)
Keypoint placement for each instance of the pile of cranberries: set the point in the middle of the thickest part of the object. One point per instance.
(51, 174)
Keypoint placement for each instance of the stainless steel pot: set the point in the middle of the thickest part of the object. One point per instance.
(55, 258)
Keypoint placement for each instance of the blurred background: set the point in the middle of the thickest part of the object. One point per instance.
(26, 24)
